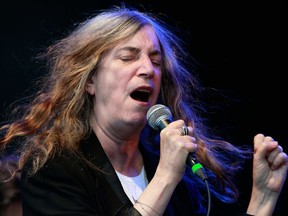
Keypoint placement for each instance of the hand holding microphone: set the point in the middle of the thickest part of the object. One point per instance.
(159, 117)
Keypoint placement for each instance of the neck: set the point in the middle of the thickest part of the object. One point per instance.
(123, 154)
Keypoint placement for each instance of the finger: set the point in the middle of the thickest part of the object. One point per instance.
(190, 131)
(268, 139)
(188, 141)
(279, 159)
(259, 148)
(264, 145)
(273, 150)
(173, 128)
(271, 143)
(175, 124)
(184, 130)
(257, 140)
(191, 146)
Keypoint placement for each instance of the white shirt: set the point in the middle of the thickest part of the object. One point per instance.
(133, 186)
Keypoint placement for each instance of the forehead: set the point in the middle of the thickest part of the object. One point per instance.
(144, 38)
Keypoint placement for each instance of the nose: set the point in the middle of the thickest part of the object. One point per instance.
(146, 68)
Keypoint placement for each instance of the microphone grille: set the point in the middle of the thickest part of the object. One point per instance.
(157, 113)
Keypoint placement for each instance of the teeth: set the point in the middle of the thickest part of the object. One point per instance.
(144, 90)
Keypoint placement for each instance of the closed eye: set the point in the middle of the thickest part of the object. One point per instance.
(127, 58)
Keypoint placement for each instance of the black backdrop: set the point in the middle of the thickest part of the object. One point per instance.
(240, 47)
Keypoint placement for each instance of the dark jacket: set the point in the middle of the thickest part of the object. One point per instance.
(66, 185)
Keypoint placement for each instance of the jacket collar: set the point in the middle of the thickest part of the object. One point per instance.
(108, 183)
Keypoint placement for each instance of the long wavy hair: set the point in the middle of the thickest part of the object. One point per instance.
(57, 117)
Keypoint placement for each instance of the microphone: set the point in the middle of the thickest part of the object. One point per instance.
(158, 117)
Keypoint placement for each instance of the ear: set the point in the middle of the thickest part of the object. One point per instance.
(90, 85)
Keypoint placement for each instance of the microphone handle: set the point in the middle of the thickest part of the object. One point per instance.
(196, 167)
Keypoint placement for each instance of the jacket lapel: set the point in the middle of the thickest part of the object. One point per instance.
(109, 186)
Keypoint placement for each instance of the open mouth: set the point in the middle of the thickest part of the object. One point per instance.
(141, 95)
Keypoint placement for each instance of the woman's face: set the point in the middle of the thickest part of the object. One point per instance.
(128, 81)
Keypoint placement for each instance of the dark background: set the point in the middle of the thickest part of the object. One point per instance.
(240, 47)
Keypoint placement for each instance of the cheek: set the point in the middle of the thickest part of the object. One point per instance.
(108, 86)
(158, 81)
(157, 87)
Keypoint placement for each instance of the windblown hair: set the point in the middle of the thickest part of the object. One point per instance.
(10, 190)
(57, 118)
